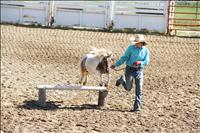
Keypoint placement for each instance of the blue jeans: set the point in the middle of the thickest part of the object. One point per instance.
(127, 82)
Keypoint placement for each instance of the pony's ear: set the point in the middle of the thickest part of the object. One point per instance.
(106, 54)
(109, 54)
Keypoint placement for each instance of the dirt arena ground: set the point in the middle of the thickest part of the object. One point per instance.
(33, 56)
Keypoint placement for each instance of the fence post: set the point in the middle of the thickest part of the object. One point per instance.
(110, 23)
(170, 16)
(51, 13)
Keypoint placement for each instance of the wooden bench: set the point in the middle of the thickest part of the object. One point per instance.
(42, 91)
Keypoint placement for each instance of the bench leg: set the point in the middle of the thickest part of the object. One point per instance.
(42, 97)
(102, 97)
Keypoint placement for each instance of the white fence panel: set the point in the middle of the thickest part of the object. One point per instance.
(153, 23)
(34, 16)
(22, 12)
(81, 13)
(93, 19)
(67, 17)
(10, 14)
(151, 15)
(126, 21)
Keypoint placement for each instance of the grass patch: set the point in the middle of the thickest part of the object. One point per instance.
(187, 10)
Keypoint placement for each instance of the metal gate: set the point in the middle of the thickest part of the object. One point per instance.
(183, 15)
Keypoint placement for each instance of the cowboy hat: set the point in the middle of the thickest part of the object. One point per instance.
(138, 38)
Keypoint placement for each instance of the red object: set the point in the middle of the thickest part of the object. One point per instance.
(137, 63)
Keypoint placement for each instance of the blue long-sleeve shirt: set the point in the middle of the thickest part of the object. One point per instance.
(133, 54)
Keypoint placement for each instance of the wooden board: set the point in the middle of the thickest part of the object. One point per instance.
(71, 87)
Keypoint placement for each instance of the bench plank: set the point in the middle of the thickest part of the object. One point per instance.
(71, 87)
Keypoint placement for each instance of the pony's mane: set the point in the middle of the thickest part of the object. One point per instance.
(99, 52)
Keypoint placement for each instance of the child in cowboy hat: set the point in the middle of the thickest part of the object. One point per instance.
(136, 57)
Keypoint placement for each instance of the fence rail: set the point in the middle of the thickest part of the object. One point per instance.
(185, 13)
(184, 19)
(189, 25)
(186, 6)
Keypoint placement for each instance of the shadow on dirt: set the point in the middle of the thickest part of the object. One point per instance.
(82, 107)
(55, 105)
(33, 104)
